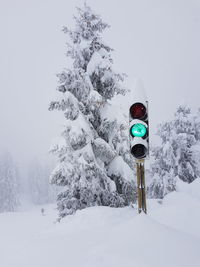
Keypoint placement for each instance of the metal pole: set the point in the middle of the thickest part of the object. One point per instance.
(141, 186)
(144, 206)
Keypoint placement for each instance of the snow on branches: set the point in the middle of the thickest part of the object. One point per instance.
(92, 137)
(178, 156)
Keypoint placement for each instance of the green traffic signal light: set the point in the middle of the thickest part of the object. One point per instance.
(138, 130)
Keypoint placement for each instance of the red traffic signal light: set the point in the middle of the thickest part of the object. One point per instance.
(138, 111)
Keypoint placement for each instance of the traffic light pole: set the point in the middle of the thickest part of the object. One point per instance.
(141, 186)
(139, 146)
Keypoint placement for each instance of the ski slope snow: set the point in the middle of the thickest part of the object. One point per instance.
(169, 236)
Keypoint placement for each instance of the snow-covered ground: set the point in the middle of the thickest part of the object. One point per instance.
(169, 236)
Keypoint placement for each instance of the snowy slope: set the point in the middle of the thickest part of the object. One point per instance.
(169, 236)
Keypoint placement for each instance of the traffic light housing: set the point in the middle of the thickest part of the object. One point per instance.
(139, 130)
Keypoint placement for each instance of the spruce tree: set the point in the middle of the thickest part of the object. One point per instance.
(90, 147)
(39, 189)
(9, 183)
(176, 157)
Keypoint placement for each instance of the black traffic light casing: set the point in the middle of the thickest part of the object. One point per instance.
(139, 130)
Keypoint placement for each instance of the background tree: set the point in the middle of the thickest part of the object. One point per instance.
(90, 145)
(9, 184)
(177, 156)
(39, 189)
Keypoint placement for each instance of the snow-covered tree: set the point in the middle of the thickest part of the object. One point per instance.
(39, 189)
(89, 151)
(197, 125)
(9, 183)
(176, 157)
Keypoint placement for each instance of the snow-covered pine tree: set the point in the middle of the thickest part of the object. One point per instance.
(188, 162)
(9, 183)
(197, 125)
(39, 189)
(176, 157)
(89, 151)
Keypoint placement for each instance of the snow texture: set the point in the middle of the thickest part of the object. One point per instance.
(107, 237)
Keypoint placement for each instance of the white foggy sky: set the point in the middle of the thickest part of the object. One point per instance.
(155, 40)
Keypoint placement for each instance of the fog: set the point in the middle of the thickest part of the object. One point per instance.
(157, 41)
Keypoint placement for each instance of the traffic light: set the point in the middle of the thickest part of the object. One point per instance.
(139, 130)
